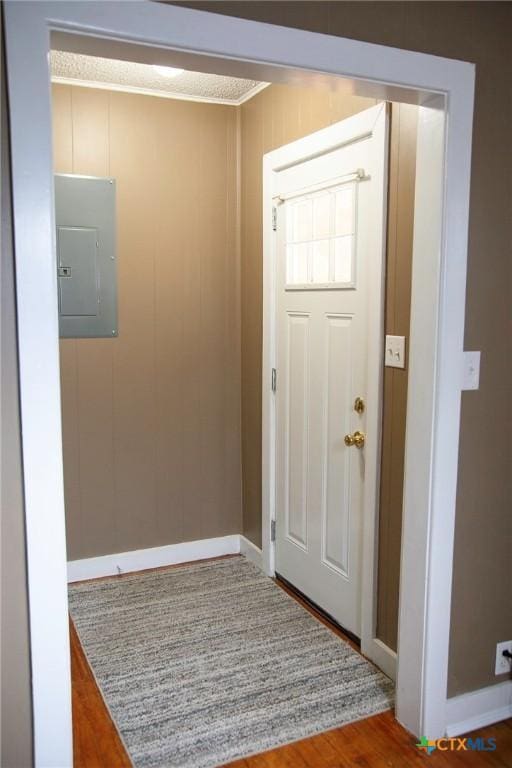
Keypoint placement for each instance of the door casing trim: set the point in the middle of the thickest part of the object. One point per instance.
(161, 33)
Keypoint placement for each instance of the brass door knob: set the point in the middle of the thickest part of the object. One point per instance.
(356, 439)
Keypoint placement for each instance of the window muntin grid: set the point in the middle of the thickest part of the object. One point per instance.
(320, 239)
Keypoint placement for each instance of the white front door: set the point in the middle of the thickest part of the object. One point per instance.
(325, 274)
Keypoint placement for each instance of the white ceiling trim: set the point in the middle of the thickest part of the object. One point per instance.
(159, 94)
(251, 93)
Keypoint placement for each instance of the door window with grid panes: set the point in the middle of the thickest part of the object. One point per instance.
(321, 239)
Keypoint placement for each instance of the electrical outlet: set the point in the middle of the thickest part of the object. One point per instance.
(471, 370)
(503, 664)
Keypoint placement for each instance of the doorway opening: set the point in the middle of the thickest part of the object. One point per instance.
(150, 317)
(421, 703)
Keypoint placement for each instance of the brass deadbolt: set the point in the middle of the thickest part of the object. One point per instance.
(359, 405)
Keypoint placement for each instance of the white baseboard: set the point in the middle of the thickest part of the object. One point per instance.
(251, 552)
(479, 708)
(155, 557)
(381, 655)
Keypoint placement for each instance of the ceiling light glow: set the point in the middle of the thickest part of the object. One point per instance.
(168, 71)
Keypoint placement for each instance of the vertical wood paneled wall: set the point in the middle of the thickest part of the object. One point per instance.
(402, 168)
(151, 419)
(276, 116)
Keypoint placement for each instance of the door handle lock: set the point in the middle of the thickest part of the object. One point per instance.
(356, 439)
(359, 405)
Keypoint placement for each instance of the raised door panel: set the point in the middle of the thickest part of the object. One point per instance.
(338, 345)
(297, 427)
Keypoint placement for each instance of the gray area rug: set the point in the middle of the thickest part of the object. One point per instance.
(206, 663)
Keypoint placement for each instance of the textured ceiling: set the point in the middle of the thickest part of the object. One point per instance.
(129, 75)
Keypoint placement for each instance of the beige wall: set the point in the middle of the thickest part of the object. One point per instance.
(151, 419)
(479, 32)
(402, 167)
(16, 704)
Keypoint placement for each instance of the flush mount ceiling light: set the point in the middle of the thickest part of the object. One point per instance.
(167, 71)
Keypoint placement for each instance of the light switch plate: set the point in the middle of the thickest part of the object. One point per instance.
(471, 370)
(394, 355)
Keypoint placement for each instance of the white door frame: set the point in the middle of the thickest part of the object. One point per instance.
(372, 123)
(264, 52)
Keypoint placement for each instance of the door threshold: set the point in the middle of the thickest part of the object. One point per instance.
(324, 617)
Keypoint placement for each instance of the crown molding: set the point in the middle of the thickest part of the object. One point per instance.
(159, 94)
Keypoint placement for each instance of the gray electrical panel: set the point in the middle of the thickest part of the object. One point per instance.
(86, 257)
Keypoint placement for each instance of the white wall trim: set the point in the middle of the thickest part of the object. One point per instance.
(251, 552)
(479, 708)
(381, 655)
(261, 52)
(77, 83)
(153, 557)
(253, 92)
(420, 425)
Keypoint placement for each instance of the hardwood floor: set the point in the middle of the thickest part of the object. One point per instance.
(377, 742)
(96, 742)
